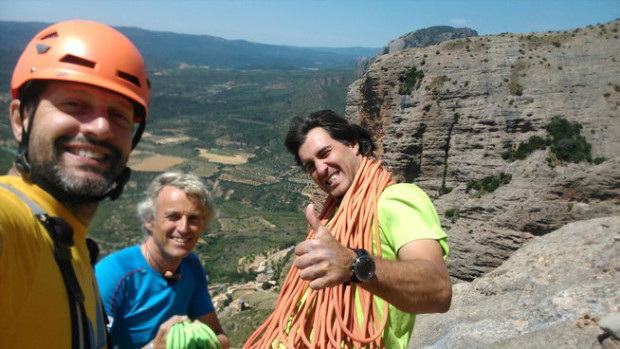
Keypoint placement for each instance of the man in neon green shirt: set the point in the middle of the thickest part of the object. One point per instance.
(373, 237)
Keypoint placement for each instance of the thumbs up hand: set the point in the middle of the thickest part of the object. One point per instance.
(322, 259)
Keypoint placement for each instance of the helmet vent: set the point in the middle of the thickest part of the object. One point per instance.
(77, 60)
(42, 48)
(49, 36)
(131, 78)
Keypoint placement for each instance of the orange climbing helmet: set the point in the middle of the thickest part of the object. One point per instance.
(85, 52)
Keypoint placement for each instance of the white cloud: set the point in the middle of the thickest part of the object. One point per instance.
(458, 21)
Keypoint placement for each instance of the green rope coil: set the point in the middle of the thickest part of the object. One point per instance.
(192, 335)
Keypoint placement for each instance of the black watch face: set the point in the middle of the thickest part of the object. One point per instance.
(364, 268)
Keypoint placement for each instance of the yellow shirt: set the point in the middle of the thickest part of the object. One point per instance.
(34, 305)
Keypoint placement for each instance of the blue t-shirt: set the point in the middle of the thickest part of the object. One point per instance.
(137, 299)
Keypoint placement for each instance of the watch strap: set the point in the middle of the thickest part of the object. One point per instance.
(360, 252)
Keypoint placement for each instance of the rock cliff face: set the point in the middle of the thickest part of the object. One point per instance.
(480, 97)
(445, 117)
(551, 293)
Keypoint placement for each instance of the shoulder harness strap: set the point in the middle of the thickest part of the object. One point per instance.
(62, 235)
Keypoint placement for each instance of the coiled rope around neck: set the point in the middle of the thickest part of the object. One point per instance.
(329, 318)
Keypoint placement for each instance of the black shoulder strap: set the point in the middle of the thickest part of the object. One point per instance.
(62, 235)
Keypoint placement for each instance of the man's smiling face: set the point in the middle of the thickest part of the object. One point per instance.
(177, 224)
(331, 164)
(80, 138)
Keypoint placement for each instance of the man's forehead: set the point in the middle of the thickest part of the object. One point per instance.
(318, 136)
(318, 129)
(60, 86)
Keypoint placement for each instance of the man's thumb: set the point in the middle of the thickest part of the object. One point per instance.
(311, 218)
(316, 225)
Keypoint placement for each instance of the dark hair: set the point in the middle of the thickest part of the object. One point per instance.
(336, 126)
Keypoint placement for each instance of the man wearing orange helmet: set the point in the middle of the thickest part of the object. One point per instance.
(78, 89)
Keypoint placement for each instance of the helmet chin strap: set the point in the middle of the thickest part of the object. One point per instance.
(21, 158)
(119, 184)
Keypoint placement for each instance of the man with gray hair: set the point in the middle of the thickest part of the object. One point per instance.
(147, 288)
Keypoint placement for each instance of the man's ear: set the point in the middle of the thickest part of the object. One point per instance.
(17, 122)
(356, 147)
(149, 226)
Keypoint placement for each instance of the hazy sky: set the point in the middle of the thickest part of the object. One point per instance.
(327, 23)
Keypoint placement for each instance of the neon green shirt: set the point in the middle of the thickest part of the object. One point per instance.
(405, 214)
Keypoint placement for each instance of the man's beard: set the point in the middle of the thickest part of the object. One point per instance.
(51, 174)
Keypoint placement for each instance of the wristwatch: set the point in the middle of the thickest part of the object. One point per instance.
(363, 268)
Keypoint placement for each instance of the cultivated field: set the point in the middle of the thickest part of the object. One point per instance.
(237, 159)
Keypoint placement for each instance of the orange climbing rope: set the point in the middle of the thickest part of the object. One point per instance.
(329, 318)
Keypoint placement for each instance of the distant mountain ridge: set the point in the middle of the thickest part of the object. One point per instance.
(169, 50)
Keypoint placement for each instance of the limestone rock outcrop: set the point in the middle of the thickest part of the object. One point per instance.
(426, 37)
(470, 100)
(551, 293)
(535, 262)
